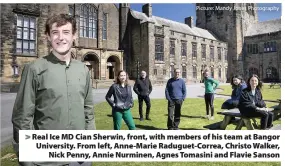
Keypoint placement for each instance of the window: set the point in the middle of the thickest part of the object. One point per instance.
(155, 72)
(204, 39)
(226, 27)
(183, 35)
(194, 50)
(26, 35)
(171, 70)
(226, 54)
(71, 10)
(159, 49)
(195, 72)
(212, 72)
(212, 56)
(203, 51)
(183, 48)
(219, 54)
(88, 21)
(220, 73)
(271, 73)
(172, 32)
(194, 37)
(252, 48)
(184, 72)
(172, 47)
(104, 26)
(270, 46)
(164, 72)
(253, 71)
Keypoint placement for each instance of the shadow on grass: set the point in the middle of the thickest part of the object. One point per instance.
(187, 116)
(145, 127)
(190, 129)
(213, 126)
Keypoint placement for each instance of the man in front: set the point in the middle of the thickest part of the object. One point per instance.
(143, 89)
(175, 93)
(55, 91)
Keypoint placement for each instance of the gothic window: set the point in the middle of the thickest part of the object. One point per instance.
(184, 72)
(195, 72)
(104, 26)
(212, 72)
(212, 56)
(253, 71)
(88, 21)
(171, 70)
(203, 51)
(183, 48)
(220, 73)
(194, 50)
(219, 54)
(271, 73)
(159, 49)
(155, 72)
(172, 47)
(164, 72)
(26, 35)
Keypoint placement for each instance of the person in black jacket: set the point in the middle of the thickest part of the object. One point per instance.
(143, 89)
(122, 103)
(251, 103)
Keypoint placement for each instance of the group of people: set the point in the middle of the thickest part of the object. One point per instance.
(175, 93)
(55, 92)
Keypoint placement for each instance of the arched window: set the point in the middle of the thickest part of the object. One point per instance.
(212, 72)
(271, 73)
(195, 72)
(253, 71)
(88, 21)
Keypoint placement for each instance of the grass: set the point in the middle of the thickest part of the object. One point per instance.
(191, 119)
(267, 92)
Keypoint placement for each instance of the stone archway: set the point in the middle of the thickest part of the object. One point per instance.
(113, 67)
(92, 62)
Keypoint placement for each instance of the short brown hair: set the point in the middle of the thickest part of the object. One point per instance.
(60, 20)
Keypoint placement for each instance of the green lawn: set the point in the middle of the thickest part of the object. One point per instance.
(192, 112)
(268, 93)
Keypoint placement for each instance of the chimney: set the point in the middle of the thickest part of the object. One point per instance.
(147, 9)
(189, 21)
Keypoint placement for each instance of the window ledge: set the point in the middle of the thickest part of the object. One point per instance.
(25, 54)
(159, 62)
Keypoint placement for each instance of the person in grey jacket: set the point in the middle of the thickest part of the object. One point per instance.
(122, 103)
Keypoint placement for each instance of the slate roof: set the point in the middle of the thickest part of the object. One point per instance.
(264, 27)
(175, 26)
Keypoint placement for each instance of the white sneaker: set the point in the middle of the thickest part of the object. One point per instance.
(212, 118)
(207, 116)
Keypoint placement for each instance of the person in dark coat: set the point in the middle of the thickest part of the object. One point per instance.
(238, 85)
(143, 89)
(122, 103)
(251, 103)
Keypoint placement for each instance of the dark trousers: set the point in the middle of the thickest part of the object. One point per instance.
(266, 117)
(174, 113)
(209, 99)
(146, 99)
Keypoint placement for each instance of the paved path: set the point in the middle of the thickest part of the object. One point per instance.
(8, 99)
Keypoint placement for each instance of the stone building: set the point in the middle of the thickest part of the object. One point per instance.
(263, 50)
(111, 38)
(253, 47)
(159, 45)
(23, 39)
